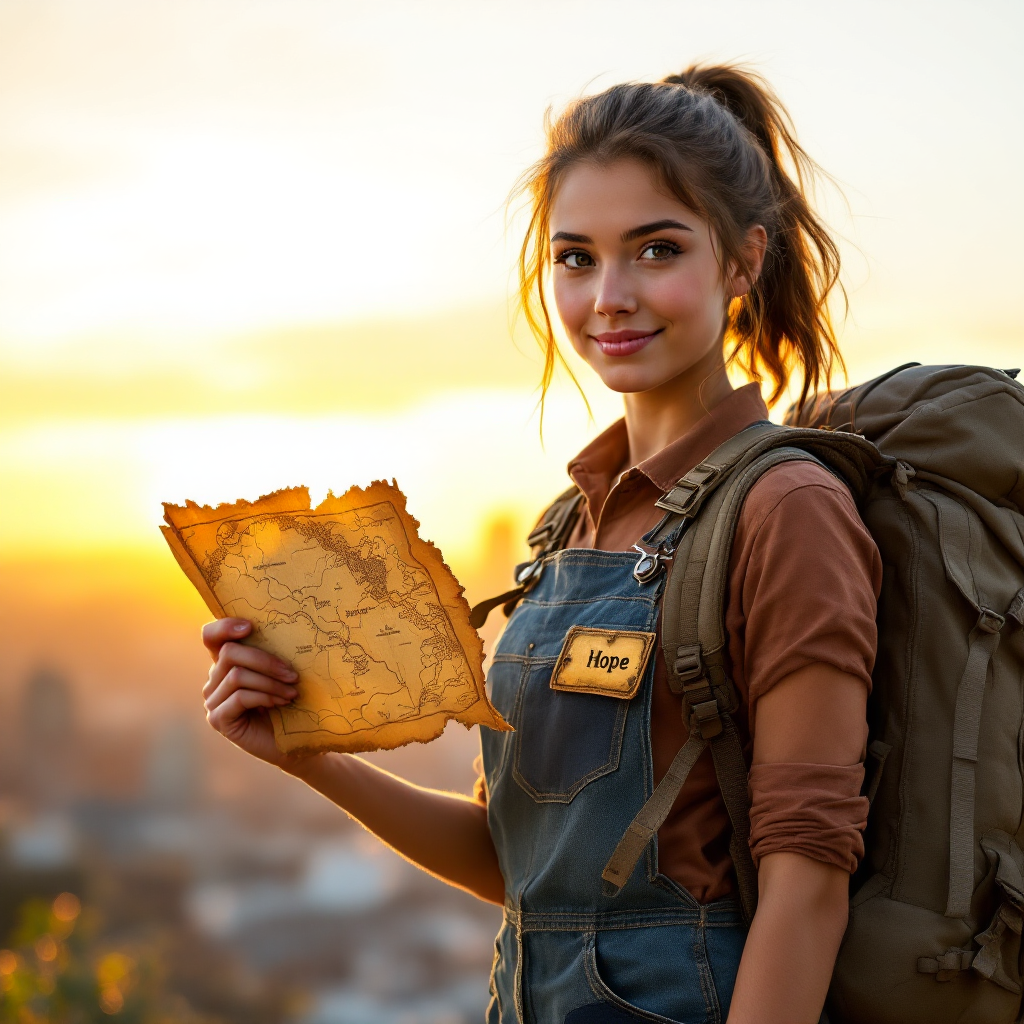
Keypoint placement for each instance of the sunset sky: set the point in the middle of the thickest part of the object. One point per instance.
(247, 244)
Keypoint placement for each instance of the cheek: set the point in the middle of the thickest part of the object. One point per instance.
(680, 297)
(574, 302)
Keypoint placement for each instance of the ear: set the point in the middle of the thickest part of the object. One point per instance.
(755, 244)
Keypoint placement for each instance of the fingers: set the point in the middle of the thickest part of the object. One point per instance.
(221, 631)
(239, 679)
(232, 654)
(236, 705)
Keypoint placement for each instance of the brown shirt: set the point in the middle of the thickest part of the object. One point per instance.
(804, 578)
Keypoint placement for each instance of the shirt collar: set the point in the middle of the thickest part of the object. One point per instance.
(595, 468)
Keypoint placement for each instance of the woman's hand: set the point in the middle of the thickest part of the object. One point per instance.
(243, 684)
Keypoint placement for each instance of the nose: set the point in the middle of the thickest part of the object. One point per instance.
(614, 296)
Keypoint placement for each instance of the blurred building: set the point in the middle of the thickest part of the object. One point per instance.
(174, 769)
(49, 740)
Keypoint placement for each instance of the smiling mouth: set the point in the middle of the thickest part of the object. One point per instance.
(624, 343)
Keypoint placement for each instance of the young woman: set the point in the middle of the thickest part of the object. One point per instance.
(673, 221)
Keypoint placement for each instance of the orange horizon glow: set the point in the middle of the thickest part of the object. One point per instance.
(244, 247)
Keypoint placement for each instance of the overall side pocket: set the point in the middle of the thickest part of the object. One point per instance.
(603, 992)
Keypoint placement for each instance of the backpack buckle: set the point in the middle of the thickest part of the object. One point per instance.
(1016, 609)
(689, 489)
(706, 719)
(689, 665)
(948, 965)
(990, 621)
(539, 535)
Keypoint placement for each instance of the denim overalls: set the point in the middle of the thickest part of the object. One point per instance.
(562, 790)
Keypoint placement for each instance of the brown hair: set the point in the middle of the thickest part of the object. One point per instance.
(722, 143)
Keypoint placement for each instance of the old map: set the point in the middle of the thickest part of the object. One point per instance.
(364, 610)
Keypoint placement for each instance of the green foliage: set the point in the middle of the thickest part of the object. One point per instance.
(56, 971)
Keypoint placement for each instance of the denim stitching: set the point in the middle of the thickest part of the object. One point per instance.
(609, 766)
(673, 887)
(517, 987)
(584, 600)
(617, 920)
(495, 1000)
(600, 988)
(523, 657)
(707, 979)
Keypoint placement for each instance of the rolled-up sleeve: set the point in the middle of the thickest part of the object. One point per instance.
(813, 809)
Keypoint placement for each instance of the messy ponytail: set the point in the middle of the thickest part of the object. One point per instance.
(721, 142)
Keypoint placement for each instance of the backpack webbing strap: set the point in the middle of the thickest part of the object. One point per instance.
(557, 520)
(731, 772)
(970, 696)
(549, 535)
(955, 544)
(644, 827)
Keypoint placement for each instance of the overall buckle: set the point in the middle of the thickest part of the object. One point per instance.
(650, 562)
(529, 572)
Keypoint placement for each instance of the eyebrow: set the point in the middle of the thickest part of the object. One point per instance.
(649, 229)
(626, 236)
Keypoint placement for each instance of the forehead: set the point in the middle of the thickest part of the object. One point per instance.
(595, 198)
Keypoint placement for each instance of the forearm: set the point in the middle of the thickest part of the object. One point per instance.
(445, 834)
(791, 949)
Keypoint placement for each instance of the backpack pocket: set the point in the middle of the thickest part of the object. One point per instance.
(998, 958)
(563, 740)
(904, 964)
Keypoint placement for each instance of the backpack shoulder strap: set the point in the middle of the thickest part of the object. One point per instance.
(550, 534)
(556, 522)
(696, 536)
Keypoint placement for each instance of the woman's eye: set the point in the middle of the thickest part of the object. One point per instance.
(575, 260)
(659, 251)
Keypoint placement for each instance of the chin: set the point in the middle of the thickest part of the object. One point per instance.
(626, 380)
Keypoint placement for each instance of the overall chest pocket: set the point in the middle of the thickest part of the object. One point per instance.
(563, 741)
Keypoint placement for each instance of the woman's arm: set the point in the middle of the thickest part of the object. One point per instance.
(793, 941)
(816, 716)
(443, 833)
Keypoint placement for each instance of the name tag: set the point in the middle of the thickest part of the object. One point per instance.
(609, 662)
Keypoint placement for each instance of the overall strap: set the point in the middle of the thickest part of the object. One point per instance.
(696, 538)
(550, 534)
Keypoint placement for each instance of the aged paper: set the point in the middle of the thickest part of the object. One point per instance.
(609, 662)
(364, 610)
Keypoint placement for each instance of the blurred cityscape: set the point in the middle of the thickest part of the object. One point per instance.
(223, 890)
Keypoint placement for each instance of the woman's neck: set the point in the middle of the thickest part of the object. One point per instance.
(662, 415)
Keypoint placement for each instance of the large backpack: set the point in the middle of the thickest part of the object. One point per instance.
(936, 911)
(934, 457)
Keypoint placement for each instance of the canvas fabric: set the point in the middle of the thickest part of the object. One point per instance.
(936, 911)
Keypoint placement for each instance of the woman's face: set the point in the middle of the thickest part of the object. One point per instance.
(636, 276)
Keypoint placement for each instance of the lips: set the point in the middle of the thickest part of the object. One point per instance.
(624, 343)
